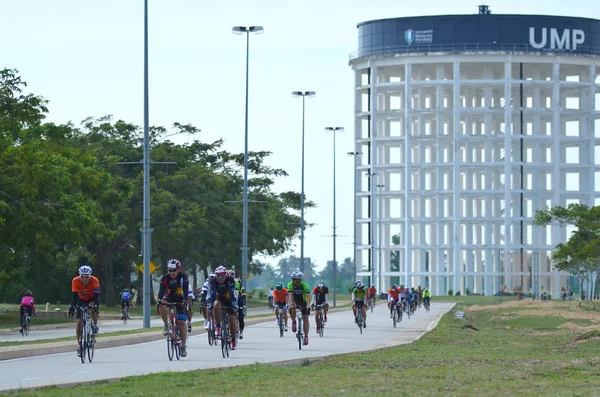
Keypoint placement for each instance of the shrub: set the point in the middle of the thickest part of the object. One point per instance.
(450, 292)
(261, 294)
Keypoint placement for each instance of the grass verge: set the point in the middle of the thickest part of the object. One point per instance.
(513, 348)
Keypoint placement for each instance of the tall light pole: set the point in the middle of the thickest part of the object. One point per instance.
(372, 176)
(334, 130)
(303, 94)
(239, 30)
(379, 207)
(355, 155)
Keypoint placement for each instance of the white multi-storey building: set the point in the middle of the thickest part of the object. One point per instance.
(465, 126)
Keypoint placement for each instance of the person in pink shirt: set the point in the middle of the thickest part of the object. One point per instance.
(26, 307)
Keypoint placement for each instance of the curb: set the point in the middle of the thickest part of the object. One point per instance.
(42, 349)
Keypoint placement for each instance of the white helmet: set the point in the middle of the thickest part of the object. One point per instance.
(297, 275)
(85, 270)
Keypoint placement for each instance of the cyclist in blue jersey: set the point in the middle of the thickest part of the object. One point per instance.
(126, 297)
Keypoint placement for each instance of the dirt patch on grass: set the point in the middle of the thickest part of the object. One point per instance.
(579, 327)
(567, 310)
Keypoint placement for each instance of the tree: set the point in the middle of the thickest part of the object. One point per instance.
(581, 253)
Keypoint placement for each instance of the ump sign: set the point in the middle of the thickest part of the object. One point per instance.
(521, 32)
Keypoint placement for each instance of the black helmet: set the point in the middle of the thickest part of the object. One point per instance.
(28, 293)
(279, 286)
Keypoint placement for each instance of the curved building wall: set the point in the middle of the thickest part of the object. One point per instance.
(460, 148)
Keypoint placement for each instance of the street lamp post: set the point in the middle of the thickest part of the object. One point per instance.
(379, 187)
(355, 155)
(334, 130)
(372, 176)
(239, 30)
(303, 94)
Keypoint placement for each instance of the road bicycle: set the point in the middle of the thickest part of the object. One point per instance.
(299, 331)
(174, 334)
(87, 340)
(225, 335)
(25, 321)
(211, 331)
(395, 315)
(125, 314)
(427, 304)
(371, 304)
(359, 317)
(320, 320)
(281, 321)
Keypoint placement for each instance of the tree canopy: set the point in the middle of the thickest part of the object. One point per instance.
(65, 200)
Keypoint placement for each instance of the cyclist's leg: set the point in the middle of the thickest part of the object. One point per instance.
(364, 313)
(276, 311)
(325, 309)
(190, 311)
(182, 323)
(232, 323)
(241, 322)
(217, 312)
(305, 319)
(285, 315)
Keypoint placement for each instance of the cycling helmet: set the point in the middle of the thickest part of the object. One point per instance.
(320, 285)
(85, 270)
(231, 273)
(279, 286)
(220, 271)
(211, 276)
(28, 293)
(360, 286)
(173, 264)
(126, 290)
(372, 286)
(393, 287)
(297, 275)
(401, 285)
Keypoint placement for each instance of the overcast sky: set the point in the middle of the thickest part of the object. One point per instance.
(86, 58)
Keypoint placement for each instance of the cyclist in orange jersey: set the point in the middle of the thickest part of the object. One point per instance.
(280, 296)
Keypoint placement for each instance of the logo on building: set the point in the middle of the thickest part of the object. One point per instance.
(409, 35)
(418, 36)
(566, 40)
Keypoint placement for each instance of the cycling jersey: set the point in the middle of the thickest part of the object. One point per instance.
(359, 295)
(224, 292)
(320, 296)
(280, 296)
(426, 294)
(27, 301)
(174, 289)
(393, 294)
(371, 292)
(85, 292)
(125, 296)
(299, 292)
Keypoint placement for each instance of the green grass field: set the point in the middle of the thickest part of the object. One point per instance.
(547, 348)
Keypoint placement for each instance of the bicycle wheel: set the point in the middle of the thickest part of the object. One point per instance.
(299, 334)
(360, 320)
(210, 334)
(280, 324)
(177, 342)
(90, 347)
(395, 317)
(25, 325)
(170, 346)
(124, 314)
(224, 338)
(321, 325)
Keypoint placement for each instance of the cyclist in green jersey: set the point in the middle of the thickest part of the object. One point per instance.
(299, 295)
(359, 294)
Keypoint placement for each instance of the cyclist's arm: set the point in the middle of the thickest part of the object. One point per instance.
(242, 297)
(74, 299)
(326, 298)
(353, 296)
(232, 293)
(161, 290)
(314, 299)
(186, 289)
(389, 298)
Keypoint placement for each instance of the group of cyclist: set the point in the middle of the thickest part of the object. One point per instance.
(222, 290)
(296, 296)
(406, 299)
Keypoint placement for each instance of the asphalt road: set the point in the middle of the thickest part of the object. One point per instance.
(105, 326)
(261, 344)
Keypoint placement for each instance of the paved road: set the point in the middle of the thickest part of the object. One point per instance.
(104, 325)
(261, 344)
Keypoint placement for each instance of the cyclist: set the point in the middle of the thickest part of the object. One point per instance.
(321, 297)
(299, 294)
(427, 297)
(174, 289)
(394, 299)
(86, 292)
(241, 302)
(280, 297)
(371, 294)
(359, 293)
(126, 297)
(271, 292)
(222, 295)
(190, 300)
(408, 300)
(205, 300)
(26, 306)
